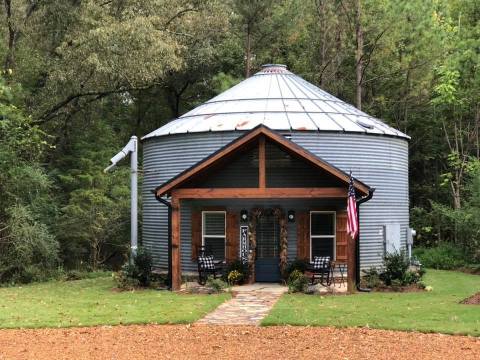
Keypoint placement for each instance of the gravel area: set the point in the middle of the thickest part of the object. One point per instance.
(232, 342)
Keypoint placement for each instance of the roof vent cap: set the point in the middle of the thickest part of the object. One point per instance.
(365, 123)
(274, 69)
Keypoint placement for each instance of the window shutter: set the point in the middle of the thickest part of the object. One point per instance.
(342, 239)
(233, 234)
(196, 233)
(303, 236)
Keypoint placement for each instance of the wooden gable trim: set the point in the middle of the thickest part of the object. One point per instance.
(258, 193)
(260, 132)
(261, 163)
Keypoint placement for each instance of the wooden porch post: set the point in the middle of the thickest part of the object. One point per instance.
(176, 266)
(261, 163)
(351, 264)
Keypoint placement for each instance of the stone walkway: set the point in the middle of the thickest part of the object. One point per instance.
(250, 304)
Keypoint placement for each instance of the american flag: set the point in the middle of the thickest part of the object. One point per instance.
(352, 222)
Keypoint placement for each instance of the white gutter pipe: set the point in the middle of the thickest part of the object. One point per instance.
(132, 149)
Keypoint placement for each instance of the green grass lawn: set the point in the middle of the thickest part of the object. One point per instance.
(92, 302)
(436, 311)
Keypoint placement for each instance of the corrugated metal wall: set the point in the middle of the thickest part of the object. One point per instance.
(379, 161)
(163, 158)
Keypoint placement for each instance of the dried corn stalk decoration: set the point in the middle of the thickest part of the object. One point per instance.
(252, 235)
(282, 222)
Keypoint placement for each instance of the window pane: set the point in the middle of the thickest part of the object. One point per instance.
(322, 224)
(214, 223)
(215, 247)
(322, 247)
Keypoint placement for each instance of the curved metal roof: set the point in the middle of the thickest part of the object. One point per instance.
(281, 100)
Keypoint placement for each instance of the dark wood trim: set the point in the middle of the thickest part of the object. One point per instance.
(176, 265)
(242, 142)
(258, 193)
(261, 163)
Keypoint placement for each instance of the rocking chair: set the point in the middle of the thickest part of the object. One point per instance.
(207, 266)
(321, 268)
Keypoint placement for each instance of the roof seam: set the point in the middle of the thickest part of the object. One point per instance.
(303, 107)
(283, 102)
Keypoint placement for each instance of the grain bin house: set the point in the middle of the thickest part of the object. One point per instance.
(260, 173)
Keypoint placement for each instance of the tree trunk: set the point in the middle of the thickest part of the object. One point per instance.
(12, 34)
(248, 52)
(358, 54)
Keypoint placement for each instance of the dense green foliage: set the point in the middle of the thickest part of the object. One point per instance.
(81, 77)
(92, 302)
(438, 310)
(445, 256)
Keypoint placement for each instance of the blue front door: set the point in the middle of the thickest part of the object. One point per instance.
(267, 252)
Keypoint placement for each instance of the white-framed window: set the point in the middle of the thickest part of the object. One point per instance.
(214, 233)
(322, 234)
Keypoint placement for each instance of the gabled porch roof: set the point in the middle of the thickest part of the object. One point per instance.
(259, 133)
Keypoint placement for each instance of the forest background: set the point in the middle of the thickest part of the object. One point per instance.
(79, 77)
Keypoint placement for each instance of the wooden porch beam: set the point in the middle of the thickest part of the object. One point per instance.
(261, 163)
(176, 265)
(260, 193)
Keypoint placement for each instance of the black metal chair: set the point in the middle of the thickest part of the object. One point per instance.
(321, 268)
(207, 266)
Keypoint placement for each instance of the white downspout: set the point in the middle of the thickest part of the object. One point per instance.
(132, 149)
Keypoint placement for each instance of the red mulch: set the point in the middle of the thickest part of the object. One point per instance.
(231, 342)
(472, 300)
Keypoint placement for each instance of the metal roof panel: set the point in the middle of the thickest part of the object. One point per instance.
(280, 100)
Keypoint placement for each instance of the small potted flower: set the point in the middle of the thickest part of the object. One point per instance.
(234, 277)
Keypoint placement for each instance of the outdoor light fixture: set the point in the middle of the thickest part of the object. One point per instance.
(244, 215)
(291, 216)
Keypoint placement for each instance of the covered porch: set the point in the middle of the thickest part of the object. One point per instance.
(263, 200)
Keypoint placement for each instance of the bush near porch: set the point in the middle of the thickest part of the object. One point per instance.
(436, 311)
(91, 302)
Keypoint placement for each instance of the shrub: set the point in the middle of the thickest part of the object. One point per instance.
(234, 277)
(397, 273)
(143, 266)
(137, 274)
(372, 279)
(126, 278)
(216, 285)
(396, 266)
(297, 282)
(72, 275)
(444, 256)
(297, 264)
(31, 252)
(238, 266)
(412, 277)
